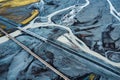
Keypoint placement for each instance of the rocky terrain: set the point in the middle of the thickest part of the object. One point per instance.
(93, 24)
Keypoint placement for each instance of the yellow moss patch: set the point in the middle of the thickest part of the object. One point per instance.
(33, 15)
(1, 34)
(16, 3)
(3, 27)
(92, 76)
(12, 4)
(2, 1)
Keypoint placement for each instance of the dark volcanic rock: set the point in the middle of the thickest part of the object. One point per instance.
(113, 56)
(115, 33)
(20, 65)
(94, 24)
